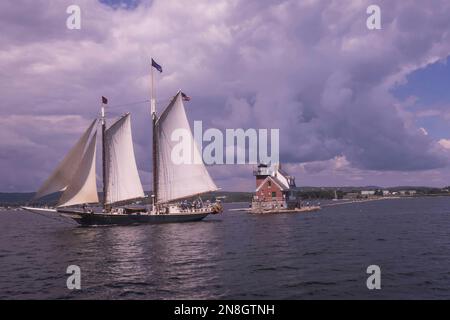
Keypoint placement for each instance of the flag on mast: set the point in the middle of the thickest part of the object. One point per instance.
(185, 97)
(104, 100)
(156, 65)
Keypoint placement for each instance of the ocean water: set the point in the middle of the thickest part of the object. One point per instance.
(320, 255)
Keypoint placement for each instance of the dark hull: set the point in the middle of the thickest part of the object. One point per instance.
(99, 219)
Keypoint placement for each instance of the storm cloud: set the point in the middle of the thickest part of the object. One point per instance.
(310, 68)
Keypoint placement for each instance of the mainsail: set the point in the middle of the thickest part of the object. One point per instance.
(82, 188)
(177, 181)
(122, 177)
(62, 175)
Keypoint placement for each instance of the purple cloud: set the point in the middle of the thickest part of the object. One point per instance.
(311, 69)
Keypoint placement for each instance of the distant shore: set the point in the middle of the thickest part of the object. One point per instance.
(10, 201)
(350, 201)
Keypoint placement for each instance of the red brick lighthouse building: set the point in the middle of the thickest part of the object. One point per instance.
(274, 189)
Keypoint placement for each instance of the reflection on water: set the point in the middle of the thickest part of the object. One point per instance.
(236, 255)
(153, 261)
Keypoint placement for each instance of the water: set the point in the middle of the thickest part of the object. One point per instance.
(320, 255)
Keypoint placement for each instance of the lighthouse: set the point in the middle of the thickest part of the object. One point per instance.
(275, 189)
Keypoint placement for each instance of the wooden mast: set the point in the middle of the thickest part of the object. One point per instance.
(104, 102)
(155, 141)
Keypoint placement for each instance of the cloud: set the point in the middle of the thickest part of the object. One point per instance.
(424, 131)
(310, 68)
(445, 143)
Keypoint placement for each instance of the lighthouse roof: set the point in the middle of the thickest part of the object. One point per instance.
(276, 172)
(275, 180)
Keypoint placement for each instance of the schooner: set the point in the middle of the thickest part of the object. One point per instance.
(75, 175)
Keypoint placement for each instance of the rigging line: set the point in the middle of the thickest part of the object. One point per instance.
(128, 104)
(159, 102)
(54, 218)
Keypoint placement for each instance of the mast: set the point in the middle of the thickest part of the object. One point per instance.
(155, 141)
(104, 102)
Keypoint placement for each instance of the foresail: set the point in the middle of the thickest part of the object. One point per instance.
(62, 175)
(122, 177)
(177, 181)
(83, 188)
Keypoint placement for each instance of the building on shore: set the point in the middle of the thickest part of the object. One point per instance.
(407, 192)
(275, 189)
(367, 193)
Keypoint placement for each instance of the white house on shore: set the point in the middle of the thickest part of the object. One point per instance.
(368, 193)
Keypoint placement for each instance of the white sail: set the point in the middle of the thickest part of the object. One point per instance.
(122, 177)
(82, 188)
(62, 175)
(177, 181)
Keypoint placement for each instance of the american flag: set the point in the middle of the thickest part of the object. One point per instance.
(185, 97)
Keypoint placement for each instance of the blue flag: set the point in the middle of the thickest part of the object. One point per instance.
(157, 66)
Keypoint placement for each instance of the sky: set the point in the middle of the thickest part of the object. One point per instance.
(354, 106)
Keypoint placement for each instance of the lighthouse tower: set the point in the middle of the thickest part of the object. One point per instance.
(261, 173)
(275, 189)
